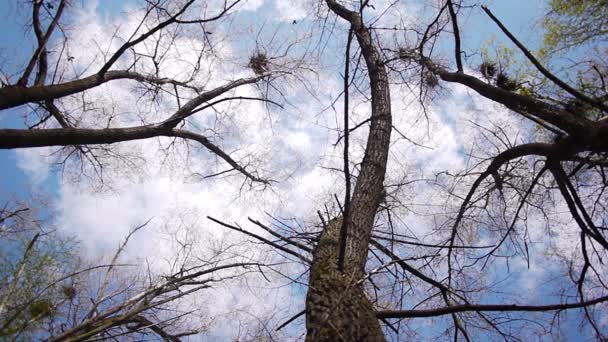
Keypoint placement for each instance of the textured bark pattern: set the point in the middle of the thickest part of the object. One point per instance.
(369, 188)
(337, 307)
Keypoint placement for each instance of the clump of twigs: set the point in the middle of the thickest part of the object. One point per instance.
(404, 54)
(431, 80)
(41, 308)
(488, 70)
(69, 292)
(259, 63)
(505, 82)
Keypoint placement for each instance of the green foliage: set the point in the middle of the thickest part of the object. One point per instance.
(571, 23)
(32, 264)
(500, 66)
(493, 51)
(574, 31)
(41, 308)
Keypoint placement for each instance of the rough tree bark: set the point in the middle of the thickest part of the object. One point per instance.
(337, 308)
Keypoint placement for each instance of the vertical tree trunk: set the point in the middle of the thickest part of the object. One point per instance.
(336, 304)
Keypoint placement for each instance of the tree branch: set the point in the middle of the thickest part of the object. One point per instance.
(42, 41)
(519, 103)
(456, 36)
(486, 307)
(20, 138)
(346, 213)
(542, 69)
(266, 241)
(16, 95)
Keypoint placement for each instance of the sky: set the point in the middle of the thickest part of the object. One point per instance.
(293, 145)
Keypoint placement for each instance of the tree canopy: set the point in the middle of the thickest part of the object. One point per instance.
(304, 170)
(572, 23)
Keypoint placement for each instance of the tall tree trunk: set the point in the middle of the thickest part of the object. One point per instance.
(337, 308)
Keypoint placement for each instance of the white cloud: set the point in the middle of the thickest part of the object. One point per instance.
(290, 10)
(252, 5)
(35, 162)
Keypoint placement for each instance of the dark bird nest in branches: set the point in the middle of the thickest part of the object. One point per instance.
(404, 54)
(488, 70)
(430, 80)
(259, 63)
(69, 292)
(505, 82)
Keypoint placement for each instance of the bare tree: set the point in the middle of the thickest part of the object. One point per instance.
(338, 307)
(46, 86)
(576, 153)
(368, 279)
